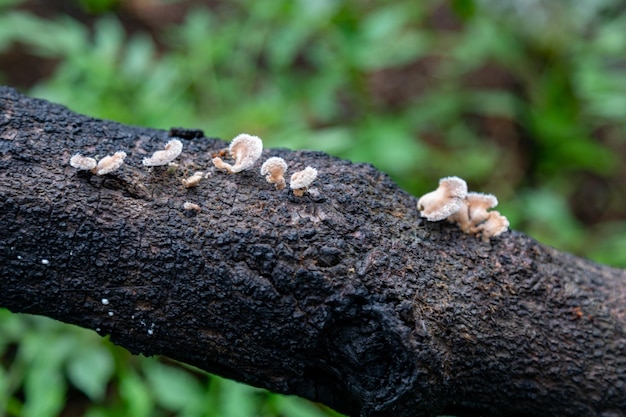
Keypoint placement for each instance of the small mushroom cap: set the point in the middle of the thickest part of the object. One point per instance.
(83, 163)
(274, 166)
(246, 149)
(110, 163)
(495, 225)
(478, 204)
(485, 201)
(172, 150)
(274, 170)
(302, 179)
(446, 200)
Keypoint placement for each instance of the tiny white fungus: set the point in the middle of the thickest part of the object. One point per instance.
(110, 313)
(444, 201)
(301, 180)
(468, 210)
(274, 170)
(105, 301)
(83, 163)
(191, 206)
(45, 262)
(172, 150)
(109, 163)
(245, 149)
(194, 180)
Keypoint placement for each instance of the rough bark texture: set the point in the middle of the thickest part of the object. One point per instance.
(344, 296)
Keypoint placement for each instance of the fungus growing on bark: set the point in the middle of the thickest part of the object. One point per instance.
(105, 166)
(245, 149)
(274, 170)
(494, 225)
(109, 163)
(301, 180)
(191, 206)
(444, 201)
(468, 210)
(473, 211)
(173, 148)
(194, 180)
(83, 163)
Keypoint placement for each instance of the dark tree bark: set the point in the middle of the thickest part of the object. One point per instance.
(344, 296)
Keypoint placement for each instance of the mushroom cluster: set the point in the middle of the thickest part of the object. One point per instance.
(274, 170)
(469, 210)
(245, 149)
(104, 166)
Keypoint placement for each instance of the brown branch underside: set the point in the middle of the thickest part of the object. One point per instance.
(344, 296)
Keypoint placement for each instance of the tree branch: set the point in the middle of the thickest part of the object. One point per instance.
(344, 296)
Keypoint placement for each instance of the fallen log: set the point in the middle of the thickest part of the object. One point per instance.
(344, 296)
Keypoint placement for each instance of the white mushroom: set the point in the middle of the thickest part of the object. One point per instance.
(301, 180)
(494, 225)
(172, 150)
(109, 163)
(245, 149)
(274, 170)
(83, 163)
(446, 200)
(473, 211)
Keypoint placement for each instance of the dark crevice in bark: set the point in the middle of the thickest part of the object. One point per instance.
(344, 296)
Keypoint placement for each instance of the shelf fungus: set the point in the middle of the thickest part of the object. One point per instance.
(468, 210)
(274, 170)
(106, 165)
(245, 150)
(301, 180)
(172, 150)
(445, 200)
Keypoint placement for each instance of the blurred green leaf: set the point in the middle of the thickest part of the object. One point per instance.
(288, 406)
(610, 244)
(464, 8)
(387, 40)
(44, 389)
(90, 369)
(236, 399)
(173, 388)
(135, 394)
(98, 6)
(9, 3)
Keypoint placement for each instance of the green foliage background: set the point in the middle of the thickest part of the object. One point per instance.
(524, 99)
